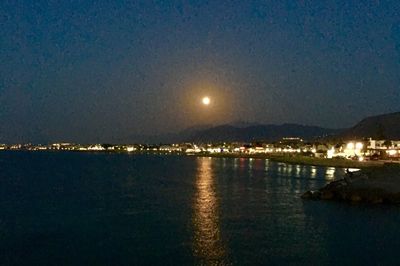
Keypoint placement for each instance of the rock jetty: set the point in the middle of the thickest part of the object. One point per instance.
(371, 185)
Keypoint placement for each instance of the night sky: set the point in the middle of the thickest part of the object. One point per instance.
(97, 71)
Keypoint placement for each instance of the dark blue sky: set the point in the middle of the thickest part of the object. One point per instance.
(102, 70)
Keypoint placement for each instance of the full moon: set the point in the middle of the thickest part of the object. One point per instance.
(206, 100)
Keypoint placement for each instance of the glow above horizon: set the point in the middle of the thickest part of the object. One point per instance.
(206, 100)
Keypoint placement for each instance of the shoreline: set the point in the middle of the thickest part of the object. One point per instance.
(298, 159)
(290, 159)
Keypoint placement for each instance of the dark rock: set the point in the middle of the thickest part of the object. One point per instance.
(355, 198)
(327, 195)
(376, 200)
(307, 195)
(393, 198)
(374, 185)
(313, 195)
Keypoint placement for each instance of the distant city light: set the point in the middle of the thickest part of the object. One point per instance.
(352, 150)
(350, 146)
(130, 149)
(330, 153)
(359, 146)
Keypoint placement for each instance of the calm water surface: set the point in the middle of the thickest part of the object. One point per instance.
(119, 209)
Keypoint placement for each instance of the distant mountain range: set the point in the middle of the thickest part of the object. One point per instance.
(385, 126)
(259, 133)
(240, 133)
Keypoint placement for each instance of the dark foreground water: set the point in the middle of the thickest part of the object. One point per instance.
(119, 209)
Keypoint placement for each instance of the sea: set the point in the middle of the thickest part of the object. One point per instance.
(71, 208)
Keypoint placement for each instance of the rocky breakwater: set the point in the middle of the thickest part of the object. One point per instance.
(370, 185)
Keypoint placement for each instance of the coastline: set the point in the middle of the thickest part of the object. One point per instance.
(290, 159)
(298, 159)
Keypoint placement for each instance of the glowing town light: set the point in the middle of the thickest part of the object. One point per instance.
(359, 146)
(206, 100)
(330, 153)
(130, 149)
(350, 146)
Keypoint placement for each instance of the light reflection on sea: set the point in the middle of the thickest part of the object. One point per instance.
(208, 246)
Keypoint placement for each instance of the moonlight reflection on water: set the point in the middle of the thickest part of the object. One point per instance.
(207, 244)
